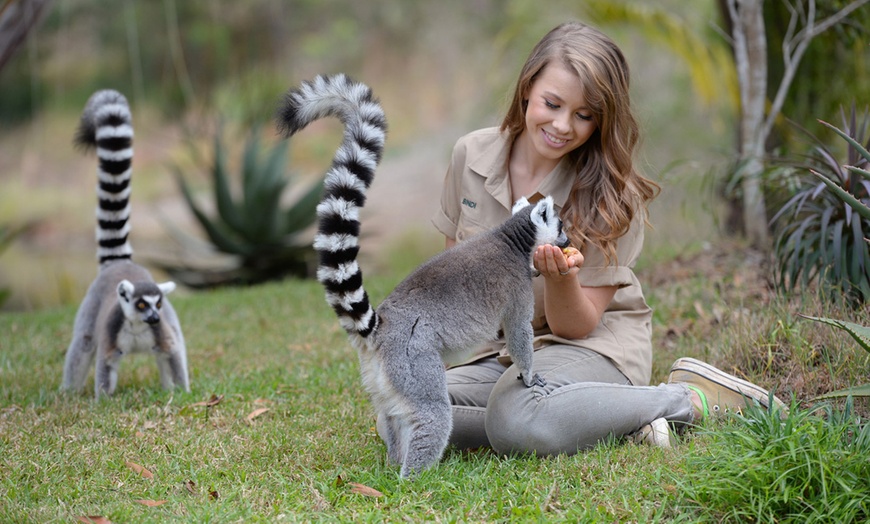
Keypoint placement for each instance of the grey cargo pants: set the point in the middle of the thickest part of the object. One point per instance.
(586, 400)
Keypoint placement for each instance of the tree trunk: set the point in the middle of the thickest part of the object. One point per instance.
(17, 18)
(750, 54)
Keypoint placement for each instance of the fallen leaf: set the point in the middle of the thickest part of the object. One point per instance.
(140, 470)
(262, 401)
(213, 494)
(151, 503)
(256, 413)
(364, 490)
(94, 519)
(190, 486)
(213, 401)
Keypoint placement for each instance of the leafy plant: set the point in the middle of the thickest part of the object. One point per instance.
(823, 228)
(861, 334)
(810, 466)
(264, 239)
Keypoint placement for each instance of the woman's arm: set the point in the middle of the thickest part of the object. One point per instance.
(572, 310)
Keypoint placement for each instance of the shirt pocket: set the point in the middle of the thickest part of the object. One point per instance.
(469, 225)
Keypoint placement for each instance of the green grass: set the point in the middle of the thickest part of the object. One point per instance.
(279, 347)
(812, 466)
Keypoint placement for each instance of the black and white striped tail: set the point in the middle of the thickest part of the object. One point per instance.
(106, 125)
(347, 181)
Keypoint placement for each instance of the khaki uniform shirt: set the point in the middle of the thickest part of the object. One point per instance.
(477, 197)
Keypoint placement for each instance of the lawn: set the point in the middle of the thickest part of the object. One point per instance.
(277, 428)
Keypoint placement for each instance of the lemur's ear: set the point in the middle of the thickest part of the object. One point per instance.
(520, 204)
(544, 208)
(167, 287)
(125, 290)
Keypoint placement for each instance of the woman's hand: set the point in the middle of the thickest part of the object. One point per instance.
(557, 263)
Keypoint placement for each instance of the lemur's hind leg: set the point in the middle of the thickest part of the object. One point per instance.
(79, 359)
(422, 385)
(395, 435)
(173, 370)
(106, 379)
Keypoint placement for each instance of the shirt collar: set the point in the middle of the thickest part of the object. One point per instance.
(492, 163)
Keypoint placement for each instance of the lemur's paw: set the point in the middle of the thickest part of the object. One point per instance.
(535, 380)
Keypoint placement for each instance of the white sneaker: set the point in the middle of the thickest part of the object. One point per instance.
(657, 433)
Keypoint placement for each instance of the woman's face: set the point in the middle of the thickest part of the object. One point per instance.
(557, 118)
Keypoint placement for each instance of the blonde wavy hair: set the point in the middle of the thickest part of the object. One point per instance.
(606, 180)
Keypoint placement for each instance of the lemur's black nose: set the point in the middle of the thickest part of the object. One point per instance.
(152, 319)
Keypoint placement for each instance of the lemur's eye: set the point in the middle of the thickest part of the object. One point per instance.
(159, 304)
(140, 305)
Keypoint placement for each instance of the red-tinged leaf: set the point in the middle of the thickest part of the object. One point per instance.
(362, 489)
(213, 494)
(190, 486)
(151, 503)
(139, 469)
(256, 413)
(213, 401)
(94, 519)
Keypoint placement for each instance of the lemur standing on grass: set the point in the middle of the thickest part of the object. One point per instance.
(455, 301)
(124, 310)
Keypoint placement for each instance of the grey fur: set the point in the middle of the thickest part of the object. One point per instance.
(452, 303)
(124, 310)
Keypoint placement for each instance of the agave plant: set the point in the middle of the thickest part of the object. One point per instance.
(861, 335)
(264, 239)
(822, 230)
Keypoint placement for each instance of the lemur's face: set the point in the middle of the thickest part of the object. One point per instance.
(548, 225)
(142, 301)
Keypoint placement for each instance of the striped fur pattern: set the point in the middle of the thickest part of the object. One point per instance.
(348, 179)
(106, 126)
(124, 310)
(450, 304)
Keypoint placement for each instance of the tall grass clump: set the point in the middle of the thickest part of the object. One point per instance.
(809, 466)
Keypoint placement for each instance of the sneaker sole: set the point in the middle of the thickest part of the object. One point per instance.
(733, 383)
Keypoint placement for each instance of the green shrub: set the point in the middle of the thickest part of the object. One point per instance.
(264, 239)
(821, 230)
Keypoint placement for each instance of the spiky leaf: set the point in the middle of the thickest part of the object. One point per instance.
(844, 195)
(860, 333)
(303, 212)
(226, 207)
(217, 234)
(854, 143)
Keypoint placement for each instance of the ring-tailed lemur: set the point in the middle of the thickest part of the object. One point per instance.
(455, 301)
(124, 310)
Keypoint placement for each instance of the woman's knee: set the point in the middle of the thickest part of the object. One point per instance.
(514, 422)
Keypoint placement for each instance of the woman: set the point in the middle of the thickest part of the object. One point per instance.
(570, 133)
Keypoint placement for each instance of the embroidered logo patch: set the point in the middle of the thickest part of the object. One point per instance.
(469, 203)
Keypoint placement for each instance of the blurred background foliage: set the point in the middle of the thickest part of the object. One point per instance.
(440, 68)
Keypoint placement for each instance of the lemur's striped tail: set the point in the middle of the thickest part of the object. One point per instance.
(106, 125)
(347, 181)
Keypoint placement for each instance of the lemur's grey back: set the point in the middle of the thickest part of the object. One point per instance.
(106, 125)
(455, 293)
